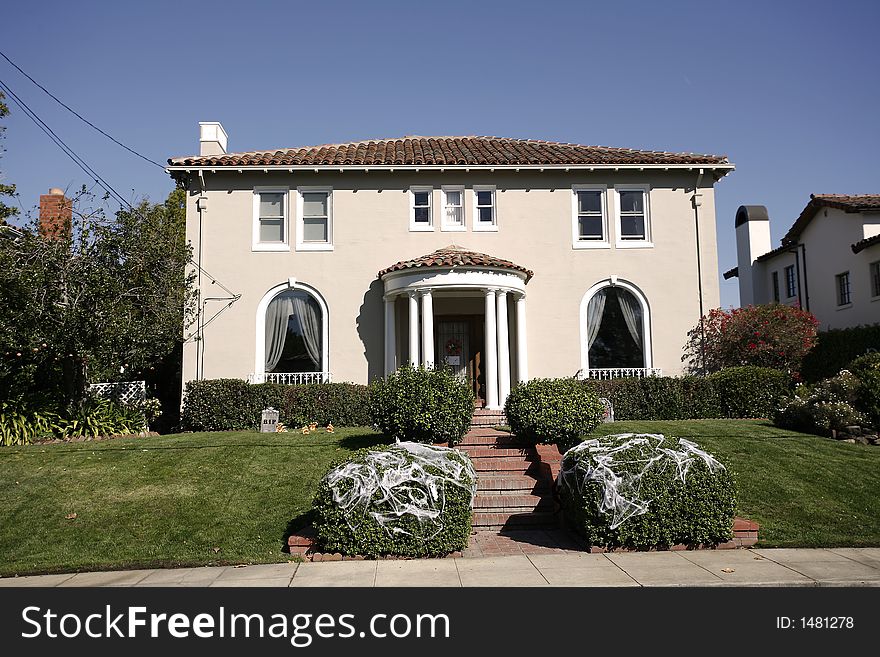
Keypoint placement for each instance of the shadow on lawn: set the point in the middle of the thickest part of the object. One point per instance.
(300, 522)
(364, 440)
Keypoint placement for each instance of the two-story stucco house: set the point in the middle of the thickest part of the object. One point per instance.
(828, 262)
(504, 258)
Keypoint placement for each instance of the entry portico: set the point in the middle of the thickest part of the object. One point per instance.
(447, 290)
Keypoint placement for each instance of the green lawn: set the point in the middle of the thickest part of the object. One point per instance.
(173, 500)
(160, 501)
(804, 491)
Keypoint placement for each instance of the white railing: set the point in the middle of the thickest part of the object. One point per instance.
(291, 378)
(621, 372)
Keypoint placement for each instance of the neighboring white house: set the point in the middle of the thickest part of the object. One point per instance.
(828, 262)
(504, 258)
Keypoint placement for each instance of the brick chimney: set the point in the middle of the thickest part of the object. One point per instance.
(56, 213)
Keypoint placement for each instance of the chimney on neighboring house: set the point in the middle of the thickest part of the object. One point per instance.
(56, 213)
(752, 240)
(212, 138)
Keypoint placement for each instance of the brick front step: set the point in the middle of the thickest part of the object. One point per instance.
(512, 482)
(499, 520)
(504, 465)
(492, 451)
(509, 500)
(500, 439)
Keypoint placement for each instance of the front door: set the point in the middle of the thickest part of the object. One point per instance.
(458, 346)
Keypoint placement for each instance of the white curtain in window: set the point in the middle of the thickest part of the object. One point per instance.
(595, 310)
(310, 323)
(632, 314)
(277, 315)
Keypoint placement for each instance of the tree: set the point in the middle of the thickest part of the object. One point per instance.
(772, 335)
(108, 300)
(5, 190)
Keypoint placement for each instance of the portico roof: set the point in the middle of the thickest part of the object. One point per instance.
(455, 256)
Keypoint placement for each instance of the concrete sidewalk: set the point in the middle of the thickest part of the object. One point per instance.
(777, 567)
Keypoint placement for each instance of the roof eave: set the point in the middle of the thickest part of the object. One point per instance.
(186, 168)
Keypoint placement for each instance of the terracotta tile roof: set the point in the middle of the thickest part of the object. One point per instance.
(861, 245)
(845, 202)
(455, 256)
(449, 151)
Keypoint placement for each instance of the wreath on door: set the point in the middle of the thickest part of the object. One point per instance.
(453, 347)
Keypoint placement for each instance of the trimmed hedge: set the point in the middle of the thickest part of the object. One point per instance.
(836, 349)
(696, 511)
(343, 404)
(358, 532)
(227, 404)
(735, 392)
(556, 411)
(748, 392)
(422, 405)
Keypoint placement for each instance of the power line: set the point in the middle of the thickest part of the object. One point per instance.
(78, 115)
(81, 163)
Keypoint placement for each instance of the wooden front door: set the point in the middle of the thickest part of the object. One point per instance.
(460, 346)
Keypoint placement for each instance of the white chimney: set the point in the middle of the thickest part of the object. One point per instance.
(752, 240)
(212, 138)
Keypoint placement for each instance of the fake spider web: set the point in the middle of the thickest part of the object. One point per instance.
(618, 463)
(396, 482)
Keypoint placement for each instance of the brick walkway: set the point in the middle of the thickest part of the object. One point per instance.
(526, 541)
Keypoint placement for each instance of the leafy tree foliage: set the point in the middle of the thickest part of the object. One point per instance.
(772, 335)
(6, 211)
(107, 300)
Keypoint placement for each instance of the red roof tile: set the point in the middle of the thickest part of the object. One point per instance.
(861, 245)
(448, 151)
(845, 202)
(455, 256)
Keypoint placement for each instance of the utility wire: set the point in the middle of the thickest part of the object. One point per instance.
(81, 163)
(78, 115)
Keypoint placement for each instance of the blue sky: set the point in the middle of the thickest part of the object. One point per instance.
(788, 90)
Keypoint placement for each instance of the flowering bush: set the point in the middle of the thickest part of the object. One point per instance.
(772, 335)
(829, 405)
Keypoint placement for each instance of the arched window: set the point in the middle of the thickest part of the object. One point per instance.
(616, 328)
(294, 333)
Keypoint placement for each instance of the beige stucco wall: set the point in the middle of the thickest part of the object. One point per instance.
(371, 231)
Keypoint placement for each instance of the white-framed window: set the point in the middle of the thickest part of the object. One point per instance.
(844, 296)
(485, 211)
(271, 219)
(874, 270)
(421, 209)
(589, 217)
(453, 208)
(314, 219)
(790, 284)
(633, 216)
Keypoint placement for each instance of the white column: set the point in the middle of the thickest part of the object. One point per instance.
(413, 330)
(503, 349)
(522, 354)
(390, 336)
(491, 340)
(427, 329)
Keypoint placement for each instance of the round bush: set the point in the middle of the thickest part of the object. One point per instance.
(407, 499)
(556, 411)
(750, 392)
(422, 405)
(643, 491)
(867, 370)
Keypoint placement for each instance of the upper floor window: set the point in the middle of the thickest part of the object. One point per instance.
(875, 278)
(633, 218)
(453, 208)
(589, 223)
(775, 277)
(270, 220)
(843, 290)
(421, 213)
(485, 215)
(314, 227)
(790, 288)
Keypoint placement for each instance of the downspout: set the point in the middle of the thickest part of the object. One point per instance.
(806, 283)
(696, 201)
(202, 205)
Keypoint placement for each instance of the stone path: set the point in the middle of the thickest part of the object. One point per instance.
(776, 567)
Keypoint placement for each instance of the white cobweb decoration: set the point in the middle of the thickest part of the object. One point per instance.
(620, 475)
(395, 482)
